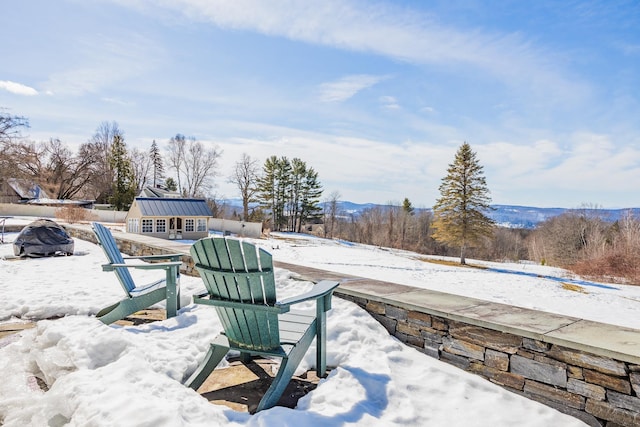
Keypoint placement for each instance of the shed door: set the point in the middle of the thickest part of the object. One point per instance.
(175, 224)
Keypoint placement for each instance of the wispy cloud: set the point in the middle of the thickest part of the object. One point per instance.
(117, 102)
(584, 162)
(17, 88)
(389, 103)
(387, 30)
(346, 87)
(104, 61)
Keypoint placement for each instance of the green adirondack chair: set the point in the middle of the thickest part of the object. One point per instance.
(138, 297)
(240, 284)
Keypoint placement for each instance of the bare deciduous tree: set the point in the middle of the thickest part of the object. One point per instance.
(568, 238)
(66, 174)
(141, 164)
(195, 165)
(245, 175)
(628, 240)
(50, 164)
(99, 147)
(200, 168)
(176, 148)
(10, 126)
(331, 213)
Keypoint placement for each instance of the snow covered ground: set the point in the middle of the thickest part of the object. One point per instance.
(101, 375)
(521, 284)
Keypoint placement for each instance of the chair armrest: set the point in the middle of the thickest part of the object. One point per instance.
(319, 290)
(172, 257)
(205, 298)
(154, 266)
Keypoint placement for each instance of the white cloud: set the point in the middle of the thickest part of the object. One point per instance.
(389, 102)
(388, 30)
(517, 161)
(592, 161)
(346, 87)
(117, 102)
(17, 88)
(361, 169)
(586, 167)
(104, 61)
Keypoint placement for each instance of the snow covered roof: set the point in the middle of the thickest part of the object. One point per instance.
(27, 189)
(159, 192)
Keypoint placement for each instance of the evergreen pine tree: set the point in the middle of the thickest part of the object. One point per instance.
(407, 207)
(124, 189)
(459, 214)
(171, 184)
(310, 208)
(272, 189)
(290, 191)
(282, 192)
(407, 212)
(156, 163)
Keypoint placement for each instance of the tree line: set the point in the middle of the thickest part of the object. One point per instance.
(285, 195)
(104, 169)
(582, 240)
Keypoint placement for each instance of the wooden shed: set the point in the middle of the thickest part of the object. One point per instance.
(166, 218)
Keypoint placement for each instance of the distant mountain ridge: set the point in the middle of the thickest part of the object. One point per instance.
(512, 216)
(529, 217)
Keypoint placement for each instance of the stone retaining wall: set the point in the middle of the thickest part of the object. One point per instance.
(598, 390)
(601, 391)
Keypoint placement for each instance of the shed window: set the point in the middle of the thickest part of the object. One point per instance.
(133, 225)
(161, 225)
(147, 226)
(189, 225)
(202, 224)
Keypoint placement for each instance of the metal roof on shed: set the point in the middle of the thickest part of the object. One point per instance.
(173, 207)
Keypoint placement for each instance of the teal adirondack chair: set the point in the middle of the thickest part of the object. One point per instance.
(240, 284)
(138, 297)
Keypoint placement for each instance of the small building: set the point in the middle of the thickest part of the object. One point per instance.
(168, 218)
(27, 192)
(20, 191)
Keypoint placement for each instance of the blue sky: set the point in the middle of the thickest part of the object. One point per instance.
(377, 96)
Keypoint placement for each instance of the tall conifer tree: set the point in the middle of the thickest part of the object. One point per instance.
(310, 198)
(156, 163)
(124, 189)
(459, 213)
(290, 191)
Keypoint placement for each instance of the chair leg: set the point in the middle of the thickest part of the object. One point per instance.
(217, 351)
(245, 357)
(321, 339)
(287, 368)
(128, 306)
(172, 289)
(111, 314)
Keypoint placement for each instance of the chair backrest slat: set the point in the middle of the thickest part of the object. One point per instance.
(111, 251)
(237, 271)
